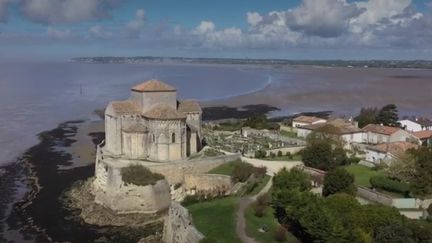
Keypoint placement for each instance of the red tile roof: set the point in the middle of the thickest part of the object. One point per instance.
(189, 106)
(375, 128)
(333, 127)
(395, 148)
(307, 119)
(153, 85)
(423, 134)
(164, 112)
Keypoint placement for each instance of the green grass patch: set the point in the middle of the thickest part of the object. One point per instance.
(139, 175)
(295, 157)
(254, 223)
(224, 169)
(362, 174)
(216, 219)
(288, 134)
(261, 185)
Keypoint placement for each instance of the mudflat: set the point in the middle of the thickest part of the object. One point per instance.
(343, 90)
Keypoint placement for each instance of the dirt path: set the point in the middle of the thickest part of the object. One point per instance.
(240, 212)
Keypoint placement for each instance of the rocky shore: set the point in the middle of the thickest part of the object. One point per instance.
(49, 211)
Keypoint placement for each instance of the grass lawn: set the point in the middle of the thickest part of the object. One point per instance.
(254, 223)
(224, 169)
(261, 185)
(295, 157)
(362, 174)
(216, 219)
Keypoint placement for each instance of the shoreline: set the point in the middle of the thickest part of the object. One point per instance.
(42, 215)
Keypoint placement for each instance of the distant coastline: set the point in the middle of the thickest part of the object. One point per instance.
(417, 64)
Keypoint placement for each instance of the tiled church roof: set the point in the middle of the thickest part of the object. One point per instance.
(153, 85)
(162, 111)
(189, 106)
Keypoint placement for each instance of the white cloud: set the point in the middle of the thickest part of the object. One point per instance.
(66, 11)
(98, 32)
(324, 18)
(254, 18)
(205, 27)
(59, 34)
(134, 26)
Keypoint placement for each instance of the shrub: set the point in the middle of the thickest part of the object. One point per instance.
(280, 234)
(289, 155)
(272, 154)
(264, 199)
(279, 153)
(353, 159)
(260, 171)
(385, 183)
(338, 180)
(242, 171)
(259, 209)
(139, 175)
(259, 154)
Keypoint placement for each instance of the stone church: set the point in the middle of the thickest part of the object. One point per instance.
(153, 125)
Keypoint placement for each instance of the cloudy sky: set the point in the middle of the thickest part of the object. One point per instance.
(292, 29)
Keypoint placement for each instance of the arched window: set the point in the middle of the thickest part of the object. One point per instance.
(153, 138)
(173, 138)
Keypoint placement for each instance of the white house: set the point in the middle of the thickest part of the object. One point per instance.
(376, 134)
(387, 152)
(345, 132)
(307, 120)
(416, 124)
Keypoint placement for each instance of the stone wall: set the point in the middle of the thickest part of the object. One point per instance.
(178, 227)
(207, 183)
(135, 199)
(292, 150)
(175, 172)
(374, 196)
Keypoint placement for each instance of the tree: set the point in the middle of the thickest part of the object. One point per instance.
(323, 153)
(293, 179)
(421, 184)
(367, 116)
(394, 233)
(338, 180)
(388, 116)
(403, 168)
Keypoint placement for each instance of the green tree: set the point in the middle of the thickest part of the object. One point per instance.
(323, 152)
(421, 184)
(395, 233)
(388, 116)
(367, 116)
(293, 179)
(338, 180)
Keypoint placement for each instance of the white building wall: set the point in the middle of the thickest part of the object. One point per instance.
(410, 125)
(375, 156)
(303, 133)
(375, 138)
(150, 99)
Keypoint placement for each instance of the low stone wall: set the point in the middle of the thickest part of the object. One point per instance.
(197, 183)
(135, 199)
(374, 196)
(292, 150)
(178, 226)
(175, 172)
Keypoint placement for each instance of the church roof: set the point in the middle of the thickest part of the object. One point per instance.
(124, 107)
(164, 112)
(153, 85)
(189, 106)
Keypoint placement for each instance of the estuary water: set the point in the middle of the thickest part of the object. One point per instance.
(36, 96)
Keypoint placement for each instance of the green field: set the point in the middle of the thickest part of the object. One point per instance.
(216, 219)
(362, 174)
(253, 224)
(224, 169)
(295, 157)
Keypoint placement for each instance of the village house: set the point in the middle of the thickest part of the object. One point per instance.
(425, 137)
(306, 120)
(339, 129)
(376, 134)
(416, 124)
(387, 152)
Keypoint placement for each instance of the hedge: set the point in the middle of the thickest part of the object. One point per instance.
(385, 183)
(139, 175)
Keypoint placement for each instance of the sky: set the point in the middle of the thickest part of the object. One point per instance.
(288, 29)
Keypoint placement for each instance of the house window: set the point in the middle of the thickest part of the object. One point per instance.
(173, 138)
